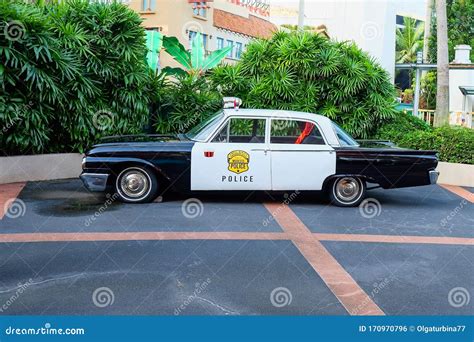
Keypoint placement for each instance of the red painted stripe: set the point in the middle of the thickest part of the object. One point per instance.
(131, 236)
(467, 195)
(8, 194)
(438, 240)
(344, 287)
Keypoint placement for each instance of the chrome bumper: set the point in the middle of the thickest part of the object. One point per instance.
(433, 176)
(95, 181)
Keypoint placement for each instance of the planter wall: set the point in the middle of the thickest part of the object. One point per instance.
(40, 167)
(456, 174)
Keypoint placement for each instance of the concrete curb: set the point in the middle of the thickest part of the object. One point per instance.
(40, 167)
(456, 174)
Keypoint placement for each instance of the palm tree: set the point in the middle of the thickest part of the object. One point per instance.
(409, 40)
(442, 93)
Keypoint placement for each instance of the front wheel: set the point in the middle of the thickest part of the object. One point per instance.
(347, 191)
(136, 185)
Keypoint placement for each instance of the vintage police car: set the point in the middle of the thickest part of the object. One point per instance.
(251, 149)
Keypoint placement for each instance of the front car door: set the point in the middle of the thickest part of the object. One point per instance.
(235, 158)
(300, 157)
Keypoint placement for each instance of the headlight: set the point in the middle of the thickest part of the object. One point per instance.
(83, 164)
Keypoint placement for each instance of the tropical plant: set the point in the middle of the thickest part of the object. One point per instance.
(409, 40)
(77, 72)
(184, 102)
(194, 62)
(306, 72)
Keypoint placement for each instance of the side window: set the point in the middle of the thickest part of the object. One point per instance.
(240, 130)
(295, 132)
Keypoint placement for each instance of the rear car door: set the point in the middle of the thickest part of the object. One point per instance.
(300, 157)
(235, 158)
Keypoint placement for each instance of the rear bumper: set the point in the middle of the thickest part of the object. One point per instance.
(95, 181)
(433, 176)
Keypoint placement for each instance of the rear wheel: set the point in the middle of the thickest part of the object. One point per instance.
(136, 185)
(347, 191)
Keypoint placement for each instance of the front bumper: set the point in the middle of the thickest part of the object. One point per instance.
(95, 181)
(433, 176)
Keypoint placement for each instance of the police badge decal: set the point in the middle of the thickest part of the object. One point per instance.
(238, 161)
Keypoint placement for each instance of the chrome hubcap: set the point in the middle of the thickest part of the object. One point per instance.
(347, 189)
(134, 184)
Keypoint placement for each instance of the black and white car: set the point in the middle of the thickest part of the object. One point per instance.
(252, 149)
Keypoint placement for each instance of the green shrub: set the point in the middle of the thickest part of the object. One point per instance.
(396, 128)
(454, 144)
(306, 72)
(184, 103)
(78, 73)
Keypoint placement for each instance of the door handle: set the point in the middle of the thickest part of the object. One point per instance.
(264, 150)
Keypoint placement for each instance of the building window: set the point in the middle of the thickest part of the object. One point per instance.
(231, 52)
(200, 9)
(220, 43)
(238, 50)
(148, 5)
(192, 35)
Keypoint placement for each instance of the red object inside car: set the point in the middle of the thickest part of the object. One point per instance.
(308, 128)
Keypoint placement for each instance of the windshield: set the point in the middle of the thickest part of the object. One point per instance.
(344, 138)
(201, 132)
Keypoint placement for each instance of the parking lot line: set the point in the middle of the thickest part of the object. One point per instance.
(135, 236)
(439, 240)
(338, 280)
(8, 194)
(467, 195)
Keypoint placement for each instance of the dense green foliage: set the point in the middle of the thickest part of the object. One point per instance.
(76, 71)
(306, 72)
(460, 27)
(409, 40)
(454, 144)
(184, 103)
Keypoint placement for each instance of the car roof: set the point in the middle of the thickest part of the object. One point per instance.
(275, 113)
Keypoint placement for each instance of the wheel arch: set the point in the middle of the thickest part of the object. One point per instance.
(118, 166)
(331, 178)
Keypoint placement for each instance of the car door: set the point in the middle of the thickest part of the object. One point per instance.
(235, 158)
(300, 157)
